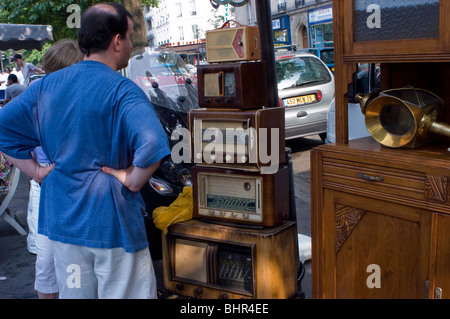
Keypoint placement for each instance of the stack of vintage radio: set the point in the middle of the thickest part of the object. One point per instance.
(240, 243)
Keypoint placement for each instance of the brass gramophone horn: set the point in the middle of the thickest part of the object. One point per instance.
(403, 117)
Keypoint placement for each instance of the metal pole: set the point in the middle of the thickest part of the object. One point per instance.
(264, 18)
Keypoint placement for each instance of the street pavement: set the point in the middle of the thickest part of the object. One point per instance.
(17, 264)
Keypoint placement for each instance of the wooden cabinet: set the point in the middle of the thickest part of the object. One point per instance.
(380, 221)
(406, 30)
(407, 57)
(381, 216)
(440, 256)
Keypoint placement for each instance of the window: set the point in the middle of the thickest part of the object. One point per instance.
(181, 33)
(192, 8)
(195, 31)
(179, 9)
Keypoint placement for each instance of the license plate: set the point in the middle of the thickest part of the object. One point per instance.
(300, 100)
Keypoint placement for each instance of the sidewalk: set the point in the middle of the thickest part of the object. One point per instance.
(17, 264)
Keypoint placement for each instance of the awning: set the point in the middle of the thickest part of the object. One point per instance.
(24, 36)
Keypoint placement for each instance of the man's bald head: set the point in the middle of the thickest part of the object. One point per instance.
(99, 24)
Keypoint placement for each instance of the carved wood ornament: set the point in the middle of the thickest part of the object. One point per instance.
(436, 188)
(346, 220)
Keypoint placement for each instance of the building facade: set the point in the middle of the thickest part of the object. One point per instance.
(303, 23)
(181, 24)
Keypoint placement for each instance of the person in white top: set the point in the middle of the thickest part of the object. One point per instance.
(27, 69)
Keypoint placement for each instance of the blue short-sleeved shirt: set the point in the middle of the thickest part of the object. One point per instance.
(85, 117)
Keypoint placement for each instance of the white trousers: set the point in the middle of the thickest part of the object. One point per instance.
(90, 273)
(45, 281)
(33, 215)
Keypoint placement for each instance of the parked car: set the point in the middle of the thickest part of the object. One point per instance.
(326, 54)
(172, 89)
(305, 90)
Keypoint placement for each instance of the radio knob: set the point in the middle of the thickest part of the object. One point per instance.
(208, 101)
(224, 296)
(211, 212)
(228, 101)
(234, 215)
(180, 286)
(222, 214)
(246, 216)
(217, 99)
(198, 291)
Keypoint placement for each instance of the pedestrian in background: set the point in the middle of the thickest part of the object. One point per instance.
(13, 88)
(104, 140)
(26, 68)
(60, 55)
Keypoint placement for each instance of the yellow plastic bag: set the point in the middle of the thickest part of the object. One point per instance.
(180, 210)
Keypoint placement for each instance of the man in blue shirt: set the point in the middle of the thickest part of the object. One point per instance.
(104, 139)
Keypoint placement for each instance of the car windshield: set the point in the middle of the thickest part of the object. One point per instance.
(166, 80)
(299, 71)
(327, 56)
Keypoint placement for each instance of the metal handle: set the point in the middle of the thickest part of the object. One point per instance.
(370, 178)
(438, 293)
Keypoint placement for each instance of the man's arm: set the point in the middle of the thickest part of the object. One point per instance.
(134, 178)
(31, 168)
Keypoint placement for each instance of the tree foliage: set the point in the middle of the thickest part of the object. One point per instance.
(54, 13)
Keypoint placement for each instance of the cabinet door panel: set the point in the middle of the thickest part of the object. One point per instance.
(382, 249)
(442, 251)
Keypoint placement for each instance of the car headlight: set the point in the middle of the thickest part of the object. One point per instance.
(175, 173)
(160, 186)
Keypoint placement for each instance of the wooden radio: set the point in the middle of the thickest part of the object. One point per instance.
(203, 260)
(233, 85)
(239, 197)
(238, 139)
(233, 44)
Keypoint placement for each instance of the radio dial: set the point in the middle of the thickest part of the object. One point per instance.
(180, 286)
(198, 291)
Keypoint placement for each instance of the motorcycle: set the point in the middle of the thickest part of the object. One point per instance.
(172, 89)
